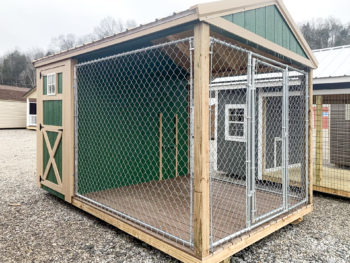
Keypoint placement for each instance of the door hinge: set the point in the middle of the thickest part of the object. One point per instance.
(40, 127)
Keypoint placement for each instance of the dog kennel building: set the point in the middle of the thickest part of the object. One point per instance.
(331, 134)
(184, 132)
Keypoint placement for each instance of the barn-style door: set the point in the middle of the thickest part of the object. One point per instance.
(50, 122)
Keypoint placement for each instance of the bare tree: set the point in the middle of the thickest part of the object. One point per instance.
(108, 26)
(64, 42)
(323, 33)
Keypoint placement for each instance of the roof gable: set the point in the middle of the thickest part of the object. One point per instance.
(268, 23)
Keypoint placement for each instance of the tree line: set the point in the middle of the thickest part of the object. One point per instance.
(16, 67)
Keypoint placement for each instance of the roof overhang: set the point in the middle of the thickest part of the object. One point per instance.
(210, 13)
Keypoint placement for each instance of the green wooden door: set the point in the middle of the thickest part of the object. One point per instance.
(51, 131)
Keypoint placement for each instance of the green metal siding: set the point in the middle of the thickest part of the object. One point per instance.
(59, 83)
(268, 23)
(52, 110)
(45, 85)
(118, 136)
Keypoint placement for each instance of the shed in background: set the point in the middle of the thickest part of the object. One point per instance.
(31, 97)
(12, 107)
(331, 134)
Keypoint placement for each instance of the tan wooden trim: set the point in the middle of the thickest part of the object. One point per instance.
(255, 235)
(53, 97)
(310, 137)
(221, 254)
(39, 136)
(201, 213)
(51, 128)
(160, 146)
(119, 38)
(246, 34)
(221, 8)
(319, 139)
(297, 33)
(51, 185)
(68, 132)
(52, 152)
(332, 191)
(136, 232)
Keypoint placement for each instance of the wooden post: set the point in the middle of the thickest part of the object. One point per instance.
(201, 214)
(68, 130)
(160, 146)
(318, 140)
(310, 139)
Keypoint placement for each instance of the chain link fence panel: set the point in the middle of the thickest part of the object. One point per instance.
(133, 137)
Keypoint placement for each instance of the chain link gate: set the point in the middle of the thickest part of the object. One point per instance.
(258, 108)
(133, 152)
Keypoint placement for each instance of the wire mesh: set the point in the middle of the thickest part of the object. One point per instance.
(258, 138)
(331, 135)
(133, 137)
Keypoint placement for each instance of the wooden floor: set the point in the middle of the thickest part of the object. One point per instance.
(165, 205)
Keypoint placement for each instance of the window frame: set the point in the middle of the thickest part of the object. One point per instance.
(50, 85)
(229, 137)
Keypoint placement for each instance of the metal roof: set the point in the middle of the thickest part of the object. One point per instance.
(333, 62)
(206, 12)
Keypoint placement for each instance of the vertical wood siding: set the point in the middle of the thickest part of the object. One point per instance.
(268, 23)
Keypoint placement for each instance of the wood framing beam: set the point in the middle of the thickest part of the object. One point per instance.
(201, 213)
(319, 144)
(68, 132)
(185, 255)
(310, 137)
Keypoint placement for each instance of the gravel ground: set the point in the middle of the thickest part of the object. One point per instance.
(38, 227)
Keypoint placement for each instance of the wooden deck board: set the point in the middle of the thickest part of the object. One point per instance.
(165, 205)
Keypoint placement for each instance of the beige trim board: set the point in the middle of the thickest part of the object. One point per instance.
(183, 255)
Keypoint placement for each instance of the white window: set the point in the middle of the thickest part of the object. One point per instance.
(347, 112)
(235, 122)
(51, 84)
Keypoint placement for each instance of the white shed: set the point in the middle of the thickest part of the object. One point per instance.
(13, 107)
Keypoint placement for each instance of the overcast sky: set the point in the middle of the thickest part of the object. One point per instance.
(28, 24)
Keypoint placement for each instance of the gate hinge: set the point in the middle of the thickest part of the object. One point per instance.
(40, 178)
(40, 127)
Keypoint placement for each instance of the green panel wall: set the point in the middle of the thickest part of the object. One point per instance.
(118, 137)
(59, 83)
(45, 85)
(268, 23)
(52, 110)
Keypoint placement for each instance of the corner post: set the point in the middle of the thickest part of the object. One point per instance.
(68, 134)
(319, 139)
(310, 136)
(201, 209)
